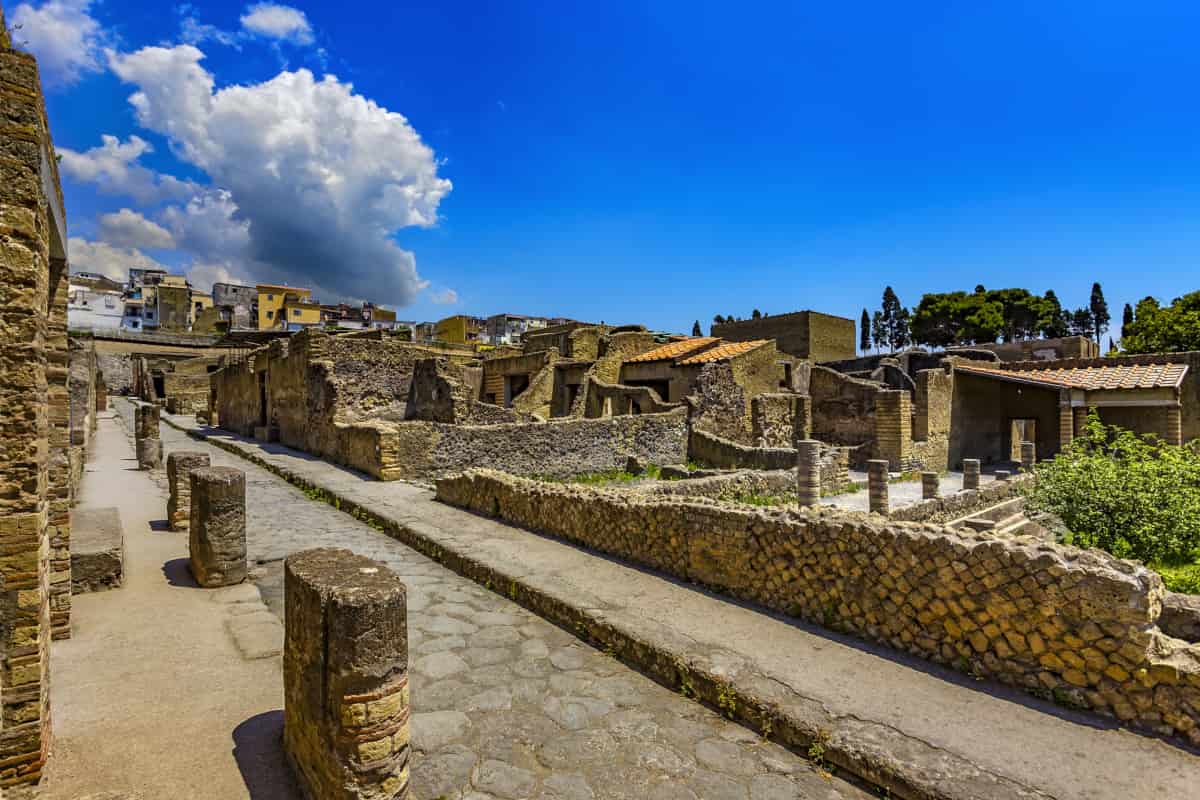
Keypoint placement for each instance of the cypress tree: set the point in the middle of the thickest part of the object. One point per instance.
(864, 332)
(1099, 309)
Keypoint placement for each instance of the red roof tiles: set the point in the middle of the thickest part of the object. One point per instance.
(1123, 376)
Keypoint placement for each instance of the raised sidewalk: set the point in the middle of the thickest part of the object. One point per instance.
(917, 729)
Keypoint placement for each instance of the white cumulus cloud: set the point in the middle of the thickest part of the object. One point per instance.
(314, 179)
(445, 297)
(277, 21)
(63, 35)
(114, 168)
(127, 228)
(104, 258)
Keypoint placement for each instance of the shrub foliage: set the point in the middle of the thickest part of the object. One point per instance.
(1131, 495)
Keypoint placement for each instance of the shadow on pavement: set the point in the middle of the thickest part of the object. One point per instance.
(177, 573)
(258, 750)
(160, 526)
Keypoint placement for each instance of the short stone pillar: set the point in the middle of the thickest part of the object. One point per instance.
(929, 485)
(145, 421)
(149, 453)
(179, 485)
(345, 676)
(808, 473)
(1028, 456)
(1003, 474)
(877, 485)
(970, 473)
(1174, 432)
(217, 526)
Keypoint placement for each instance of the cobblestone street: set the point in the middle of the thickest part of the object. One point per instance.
(507, 705)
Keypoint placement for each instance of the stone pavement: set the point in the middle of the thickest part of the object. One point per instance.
(900, 493)
(924, 730)
(507, 705)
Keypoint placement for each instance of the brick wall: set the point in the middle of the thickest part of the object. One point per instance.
(803, 334)
(1079, 625)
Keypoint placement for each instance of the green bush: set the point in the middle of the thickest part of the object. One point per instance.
(1133, 496)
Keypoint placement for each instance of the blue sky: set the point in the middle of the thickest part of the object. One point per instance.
(634, 162)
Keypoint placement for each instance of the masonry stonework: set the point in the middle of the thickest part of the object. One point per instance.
(180, 464)
(345, 670)
(217, 526)
(1080, 625)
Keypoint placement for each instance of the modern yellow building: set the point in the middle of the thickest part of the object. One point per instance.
(272, 314)
(459, 329)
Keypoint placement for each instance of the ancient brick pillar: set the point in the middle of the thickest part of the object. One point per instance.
(1174, 425)
(179, 486)
(970, 473)
(345, 676)
(1079, 415)
(808, 473)
(1066, 426)
(893, 427)
(929, 485)
(217, 526)
(1028, 456)
(32, 361)
(877, 485)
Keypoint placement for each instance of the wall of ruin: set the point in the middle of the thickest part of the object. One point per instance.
(739, 482)
(780, 419)
(1076, 624)
(33, 358)
(803, 334)
(235, 388)
(607, 400)
(442, 391)
(717, 453)
(559, 447)
(983, 410)
(843, 410)
(948, 507)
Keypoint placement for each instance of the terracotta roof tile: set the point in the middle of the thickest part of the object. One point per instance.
(673, 350)
(1123, 376)
(723, 352)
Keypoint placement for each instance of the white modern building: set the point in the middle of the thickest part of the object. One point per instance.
(94, 303)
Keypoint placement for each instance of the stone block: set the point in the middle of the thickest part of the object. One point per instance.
(345, 673)
(970, 473)
(149, 453)
(179, 484)
(877, 486)
(145, 421)
(929, 485)
(97, 550)
(217, 526)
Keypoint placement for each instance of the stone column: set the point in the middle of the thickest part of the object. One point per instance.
(179, 485)
(1079, 416)
(929, 485)
(1003, 474)
(145, 433)
(217, 526)
(1028, 456)
(1174, 425)
(808, 473)
(1066, 427)
(345, 677)
(970, 473)
(877, 485)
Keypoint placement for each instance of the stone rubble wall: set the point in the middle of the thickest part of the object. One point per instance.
(713, 451)
(959, 504)
(1079, 626)
(743, 481)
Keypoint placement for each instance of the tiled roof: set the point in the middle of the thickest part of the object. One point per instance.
(673, 350)
(723, 352)
(1124, 376)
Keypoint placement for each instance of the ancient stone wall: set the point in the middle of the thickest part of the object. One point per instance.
(718, 453)
(559, 447)
(947, 507)
(779, 482)
(843, 410)
(984, 409)
(779, 419)
(33, 370)
(442, 391)
(803, 334)
(1078, 625)
(719, 404)
(606, 399)
(118, 372)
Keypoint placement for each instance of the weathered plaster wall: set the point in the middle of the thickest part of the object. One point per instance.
(983, 410)
(803, 334)
(1043, 617)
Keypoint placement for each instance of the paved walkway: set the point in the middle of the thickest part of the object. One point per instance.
(900, 493)
(150, 697)
(947, 735)
(506, 705)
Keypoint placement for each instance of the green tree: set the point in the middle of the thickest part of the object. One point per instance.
(1158, 329)
(878, 330)
(696, 329)
(756, 314)
(937, 320)
(1131, 495)
(1081, 322)
(895, 321)
(1099, 308)
(864, 332)
(1054, 323)
(718, 320)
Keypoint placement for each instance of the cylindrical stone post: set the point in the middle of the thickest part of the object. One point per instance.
(1028, 456)
(145, 421)
(970, 473)
(149, 453)
(345, 676)
(179, 485)
(877, 485)
(929, 485)
(808, 473)
(1003, 474)
(217, 526)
